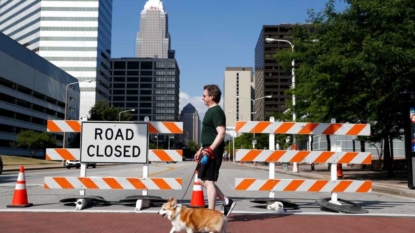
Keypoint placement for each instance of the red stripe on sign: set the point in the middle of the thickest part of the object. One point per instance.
(356, 129)
(251, 155)
(299, 156)
(75, 125)
(260, 126)
(275, 156)
(308, 128)
(52, 127)
(332, 129)
(239, 125)
(151, 128)
(284, 127)
(324, 157)
(245, 184)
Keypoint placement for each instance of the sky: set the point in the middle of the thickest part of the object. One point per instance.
(209, 36)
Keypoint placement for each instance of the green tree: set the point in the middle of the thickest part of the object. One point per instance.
(99, 112)
(102, 112)
(244, 141)
(193, 146)
(353, 65)
(152, 145)
(34, 141)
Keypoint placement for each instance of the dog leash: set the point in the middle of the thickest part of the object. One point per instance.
(181, 201)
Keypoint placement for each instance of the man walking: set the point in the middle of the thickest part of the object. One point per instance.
(213, 145)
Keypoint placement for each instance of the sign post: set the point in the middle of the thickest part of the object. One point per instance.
(408, 113)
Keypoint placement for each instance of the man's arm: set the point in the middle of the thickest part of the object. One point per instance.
(197, 155)
(219, 137)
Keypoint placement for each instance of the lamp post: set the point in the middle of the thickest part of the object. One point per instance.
(253, 100)
(270, 40)
(129, 110)
(66, 106)
(157, 138)
(66, 111)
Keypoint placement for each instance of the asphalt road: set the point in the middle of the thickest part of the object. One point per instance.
(46, 200)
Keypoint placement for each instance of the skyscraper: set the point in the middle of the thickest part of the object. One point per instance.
(73, 35)
(191, 122)
(153, 39)
(238, 82)
(151, 86)
(270, 78)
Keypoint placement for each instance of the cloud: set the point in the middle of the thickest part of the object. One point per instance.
(196, 101)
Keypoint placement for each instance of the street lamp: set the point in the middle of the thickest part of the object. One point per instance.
(157, 138)
(66, 111)
(129, 110)
(253, 100)
(66, 106)
(270, 40)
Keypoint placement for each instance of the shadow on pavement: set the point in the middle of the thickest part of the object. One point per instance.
(45, 204)
(382, 204)
(8, 178)
(252, 217)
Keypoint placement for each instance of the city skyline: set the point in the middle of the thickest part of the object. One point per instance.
(208, 36)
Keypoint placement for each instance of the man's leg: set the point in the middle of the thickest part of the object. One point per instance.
(211, 193)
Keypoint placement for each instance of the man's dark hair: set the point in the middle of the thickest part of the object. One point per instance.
(214, 91)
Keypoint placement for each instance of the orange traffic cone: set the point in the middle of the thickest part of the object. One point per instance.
(20, 193)
(339, 171)
(197, 194)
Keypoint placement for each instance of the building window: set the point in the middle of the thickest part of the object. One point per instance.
(119, 65)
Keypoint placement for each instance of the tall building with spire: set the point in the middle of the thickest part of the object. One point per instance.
(153, 38)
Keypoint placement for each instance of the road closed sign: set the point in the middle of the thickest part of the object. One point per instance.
(114, 142)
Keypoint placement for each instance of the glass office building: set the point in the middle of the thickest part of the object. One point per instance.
(151, 86)
(73, 35)
(32, 91)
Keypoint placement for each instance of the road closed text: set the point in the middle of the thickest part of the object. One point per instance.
(117, 151)
(114, 142)
(112, 148)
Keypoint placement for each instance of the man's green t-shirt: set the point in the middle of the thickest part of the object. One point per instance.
(214, 117)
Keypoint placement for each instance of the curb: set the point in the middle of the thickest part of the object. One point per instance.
(375, 187)
(5, 169)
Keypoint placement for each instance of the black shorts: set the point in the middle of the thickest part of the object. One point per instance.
(210, 171)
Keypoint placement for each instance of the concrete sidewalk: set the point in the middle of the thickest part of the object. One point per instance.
(380, 183)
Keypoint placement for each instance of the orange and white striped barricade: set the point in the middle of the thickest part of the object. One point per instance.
(145, 183)
(75, 154)
(272, 156)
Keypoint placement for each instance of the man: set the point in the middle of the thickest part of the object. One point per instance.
(213, 145)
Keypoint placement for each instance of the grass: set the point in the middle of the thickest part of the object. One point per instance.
(18, 160)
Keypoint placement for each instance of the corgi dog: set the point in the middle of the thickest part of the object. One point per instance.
(193, 219)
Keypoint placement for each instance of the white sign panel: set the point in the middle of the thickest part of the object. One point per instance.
(114, 142)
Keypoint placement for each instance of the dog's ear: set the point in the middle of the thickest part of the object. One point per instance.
(173, 202)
